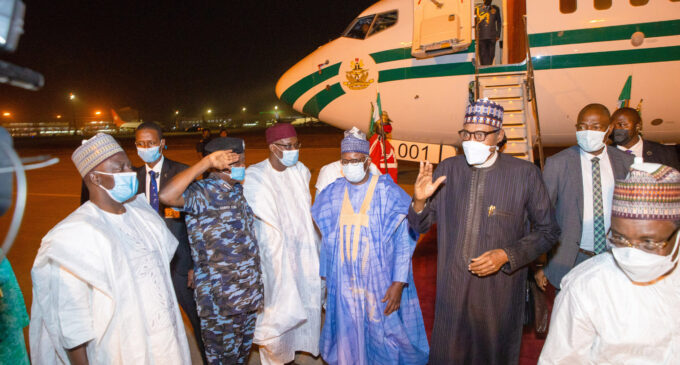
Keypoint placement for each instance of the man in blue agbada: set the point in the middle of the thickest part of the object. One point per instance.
(372, 310)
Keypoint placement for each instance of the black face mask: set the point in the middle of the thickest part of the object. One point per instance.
(621, 136)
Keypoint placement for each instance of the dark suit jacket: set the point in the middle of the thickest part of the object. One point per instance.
(182, 262)
(658, 153)
(564, 181)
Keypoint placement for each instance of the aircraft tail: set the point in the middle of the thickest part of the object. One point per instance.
(117, 119)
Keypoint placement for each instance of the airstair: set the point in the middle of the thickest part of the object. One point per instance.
(509, 90)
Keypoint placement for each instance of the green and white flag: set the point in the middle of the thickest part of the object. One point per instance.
(376, 114)
(624, 98)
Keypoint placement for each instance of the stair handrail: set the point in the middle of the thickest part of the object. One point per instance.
(532, 90)
(476, 57)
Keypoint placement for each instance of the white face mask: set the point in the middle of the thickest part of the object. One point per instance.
(476, 152)
(643, 267)
(590, 141)
(354, 172)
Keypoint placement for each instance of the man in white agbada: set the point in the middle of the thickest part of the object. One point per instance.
(277, 189)
(102, 292)
(623, 306)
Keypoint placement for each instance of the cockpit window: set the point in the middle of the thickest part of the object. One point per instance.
(360, 27)
(384, 21)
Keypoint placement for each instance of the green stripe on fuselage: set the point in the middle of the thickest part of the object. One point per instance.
(297, 89)
(602, 34)
(319, 101)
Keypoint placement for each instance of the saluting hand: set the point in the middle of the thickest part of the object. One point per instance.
(222, 160)
(488, 263)
(424, 186)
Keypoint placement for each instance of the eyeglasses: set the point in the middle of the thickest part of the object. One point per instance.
(290, 146)
(617, 240)
(147, 144)
(353, 161)
(479, 135)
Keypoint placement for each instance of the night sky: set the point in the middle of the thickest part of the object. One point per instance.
(159, 56)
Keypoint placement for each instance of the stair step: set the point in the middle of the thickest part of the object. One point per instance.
(516, 146)
(515, 132)
(522, 156)
(513, 118)
(501, 92)
(501, 80)
(511, 104)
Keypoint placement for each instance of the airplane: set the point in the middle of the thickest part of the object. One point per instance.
(420, 56)
(122, 125)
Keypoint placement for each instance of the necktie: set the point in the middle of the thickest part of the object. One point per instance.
(153, 190)
(598, 210)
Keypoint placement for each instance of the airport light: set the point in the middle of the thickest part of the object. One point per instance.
(176, 112)
(71, 96)
(6, 114)
(243, 109)
(58, 116)
(276, 107)
(209, 111)
(98, 112)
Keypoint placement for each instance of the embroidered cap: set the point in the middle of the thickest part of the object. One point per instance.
(279, 131)
(484, 111)
(650, 192)
(94, 151)
(355, 141)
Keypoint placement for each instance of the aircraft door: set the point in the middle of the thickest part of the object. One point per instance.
(440, 27)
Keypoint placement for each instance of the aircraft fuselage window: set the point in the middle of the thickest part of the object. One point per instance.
(603, 4)
(638, 2)
(360, 27)
(567, 6)
(384, 21)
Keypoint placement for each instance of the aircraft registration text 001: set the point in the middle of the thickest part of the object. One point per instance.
(413, 151)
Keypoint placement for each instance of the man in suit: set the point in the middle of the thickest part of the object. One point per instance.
(488, 30)
(154, 174)
(580, 182)
(626, 136)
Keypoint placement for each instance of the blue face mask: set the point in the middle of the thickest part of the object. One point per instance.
(149, 155)
(238, 173)
(125, 185)
(290, 157)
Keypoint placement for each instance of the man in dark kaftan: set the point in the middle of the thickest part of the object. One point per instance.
(493, 218)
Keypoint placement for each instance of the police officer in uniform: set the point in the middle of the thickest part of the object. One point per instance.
(489, 31)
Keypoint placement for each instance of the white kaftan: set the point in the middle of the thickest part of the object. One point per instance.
(104, 279)
(289, 252)
(601, 317)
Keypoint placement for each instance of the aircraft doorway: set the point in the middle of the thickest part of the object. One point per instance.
(510, 47)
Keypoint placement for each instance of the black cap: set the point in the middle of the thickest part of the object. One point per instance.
(236, 145)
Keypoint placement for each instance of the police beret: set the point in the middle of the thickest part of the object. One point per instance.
(236, 145)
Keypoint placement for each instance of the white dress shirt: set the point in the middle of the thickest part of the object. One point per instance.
(636, 148)
(607, 182)
(157, 169)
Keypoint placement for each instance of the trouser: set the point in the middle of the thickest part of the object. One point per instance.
(185, 298)
(487, 51)
(228, 338)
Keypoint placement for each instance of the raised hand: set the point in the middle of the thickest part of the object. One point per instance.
(222, 160)
(424, 186)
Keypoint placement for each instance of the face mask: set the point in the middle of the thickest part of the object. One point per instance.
(149, 155)
(621, 136)
(354, 172)
(590, 141)
(476, 152)
(238, 173)
(641, 266)
(125, 185)
(289, 158)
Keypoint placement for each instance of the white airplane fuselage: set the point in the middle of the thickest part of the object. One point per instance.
(579, 58)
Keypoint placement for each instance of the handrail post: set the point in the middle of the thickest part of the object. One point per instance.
(476, 57)
(532, 89)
